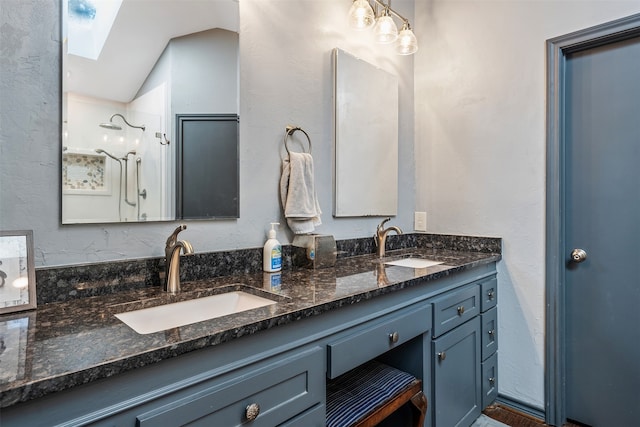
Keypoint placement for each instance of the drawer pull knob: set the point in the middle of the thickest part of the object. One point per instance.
(491, 294)
(492, 381)
(491, 332)
(252, 411)
(394, 337)
(460, 310)
(442, 355)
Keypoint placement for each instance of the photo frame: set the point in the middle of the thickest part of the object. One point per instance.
(17, 271)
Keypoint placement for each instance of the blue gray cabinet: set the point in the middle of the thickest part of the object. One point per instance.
(431, 329)
(457, 395)
(464, 353)
(489, 316)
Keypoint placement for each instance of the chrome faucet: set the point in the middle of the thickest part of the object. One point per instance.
(381, 236)
(172, 261)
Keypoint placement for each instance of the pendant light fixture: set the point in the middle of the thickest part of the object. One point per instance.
(407, 42)
(385, 29)
(363, 16)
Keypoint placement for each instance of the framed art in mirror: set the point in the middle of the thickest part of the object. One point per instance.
(17, 271)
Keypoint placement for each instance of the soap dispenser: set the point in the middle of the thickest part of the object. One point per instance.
(272, 254)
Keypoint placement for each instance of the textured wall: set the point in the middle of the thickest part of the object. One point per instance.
(480, 145)
(285, 67)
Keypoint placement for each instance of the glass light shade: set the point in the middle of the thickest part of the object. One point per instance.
(407, 42)
(385, 30)
(361, 15)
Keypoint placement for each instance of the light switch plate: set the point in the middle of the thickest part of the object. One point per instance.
(420, 221)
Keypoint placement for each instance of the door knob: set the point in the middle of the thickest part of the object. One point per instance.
(578, 255)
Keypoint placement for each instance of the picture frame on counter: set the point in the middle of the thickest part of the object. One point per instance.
(17, 271)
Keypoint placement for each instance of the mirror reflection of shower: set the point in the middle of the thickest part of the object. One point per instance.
(125, 171)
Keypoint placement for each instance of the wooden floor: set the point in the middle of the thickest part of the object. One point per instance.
(514, 418)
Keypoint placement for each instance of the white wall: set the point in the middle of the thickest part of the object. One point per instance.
(285, 68)
(480, 148)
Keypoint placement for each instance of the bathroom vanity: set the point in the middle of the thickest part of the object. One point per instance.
(268, 366)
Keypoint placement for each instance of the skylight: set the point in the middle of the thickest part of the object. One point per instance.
(88, 25)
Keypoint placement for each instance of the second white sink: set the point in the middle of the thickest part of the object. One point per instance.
(414, 262)
(163, 317)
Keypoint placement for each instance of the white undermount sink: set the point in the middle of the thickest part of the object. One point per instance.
(163, 317)
(414, 262)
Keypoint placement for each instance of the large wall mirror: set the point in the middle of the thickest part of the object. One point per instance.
(130, 69)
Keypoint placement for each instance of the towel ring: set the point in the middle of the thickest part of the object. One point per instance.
(290, 130)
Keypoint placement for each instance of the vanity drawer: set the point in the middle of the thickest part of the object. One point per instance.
(488, 294)
(376, 337)
(282, 389)
(489, 332)
(455, 308)
(489, 380)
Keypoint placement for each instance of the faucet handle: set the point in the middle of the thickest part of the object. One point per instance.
(173, 238)
(381, 225)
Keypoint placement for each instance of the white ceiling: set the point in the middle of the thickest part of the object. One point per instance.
(139, 34)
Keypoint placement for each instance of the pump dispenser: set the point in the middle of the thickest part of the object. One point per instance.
(272, 254)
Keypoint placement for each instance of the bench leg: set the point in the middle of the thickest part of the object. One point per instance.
(419, 401)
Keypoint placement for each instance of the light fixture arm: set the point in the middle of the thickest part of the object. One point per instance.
(387, 6)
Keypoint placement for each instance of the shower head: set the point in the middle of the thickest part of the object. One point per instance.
(101, 151)
(114, 126)
(111, 126)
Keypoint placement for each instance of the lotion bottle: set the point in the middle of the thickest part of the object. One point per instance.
(272, 254)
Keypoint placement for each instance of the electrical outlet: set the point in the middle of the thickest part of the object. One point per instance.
(420, 221)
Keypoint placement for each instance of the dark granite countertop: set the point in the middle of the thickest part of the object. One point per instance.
(64, 344)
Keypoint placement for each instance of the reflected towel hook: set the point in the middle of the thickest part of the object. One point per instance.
(160, 136)
(290, 130)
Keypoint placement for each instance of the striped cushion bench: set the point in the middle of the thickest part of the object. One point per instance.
(369, 393)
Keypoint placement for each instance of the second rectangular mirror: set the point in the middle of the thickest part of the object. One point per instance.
(366, 138)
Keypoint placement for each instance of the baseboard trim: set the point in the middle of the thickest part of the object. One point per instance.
(522, 407)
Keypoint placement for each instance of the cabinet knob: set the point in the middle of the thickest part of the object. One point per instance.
(492, 380)
(394, 337)
(491, 294)
(442, 355)
(252, 412)
(460, 310)
(491, 332)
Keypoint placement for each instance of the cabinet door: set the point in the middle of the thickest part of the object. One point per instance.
(457, 376)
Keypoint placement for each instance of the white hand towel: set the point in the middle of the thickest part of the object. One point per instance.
(298, 193)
